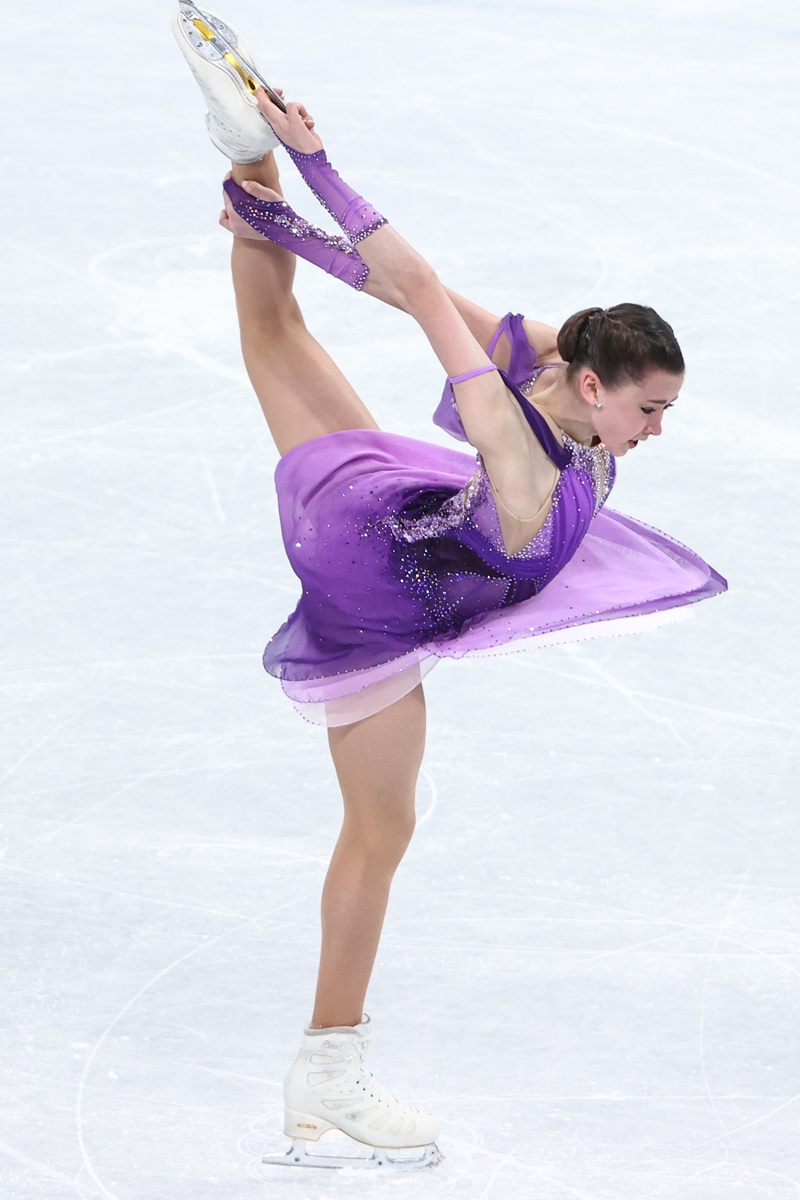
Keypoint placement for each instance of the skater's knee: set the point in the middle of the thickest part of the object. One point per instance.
(381, 838)
(271, 326)
(401, 830)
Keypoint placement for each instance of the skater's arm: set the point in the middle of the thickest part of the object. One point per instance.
(483, 326)
(520, 471)
(521, 474)
(401, 276)
(491, 417)
(544, 339)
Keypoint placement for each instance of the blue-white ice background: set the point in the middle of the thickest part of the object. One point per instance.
(590, 967)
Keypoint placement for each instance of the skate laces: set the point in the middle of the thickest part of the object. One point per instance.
(380, 1094)
(333, 1055)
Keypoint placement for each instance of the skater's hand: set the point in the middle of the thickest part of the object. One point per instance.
(295, 127)
(229, 218)
(304, 113)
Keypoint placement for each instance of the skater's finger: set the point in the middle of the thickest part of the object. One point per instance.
(267, 105)
(259, 191)
(288, 125)
(231, 215)
(307, 118)
(263, 97)
(296, 111)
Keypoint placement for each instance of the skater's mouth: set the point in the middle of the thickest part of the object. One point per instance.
(633, 444)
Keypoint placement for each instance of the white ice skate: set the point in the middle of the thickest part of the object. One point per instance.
(329, 1088)
(225, 68)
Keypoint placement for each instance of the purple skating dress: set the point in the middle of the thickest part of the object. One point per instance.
(398, 547)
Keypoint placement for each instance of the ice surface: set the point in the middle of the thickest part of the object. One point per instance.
(591, 963)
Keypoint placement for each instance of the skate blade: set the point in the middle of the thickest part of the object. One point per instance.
(298, 1156)
(232, 54)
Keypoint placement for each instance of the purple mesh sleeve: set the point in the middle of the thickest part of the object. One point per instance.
(352, 212)
(279, 223)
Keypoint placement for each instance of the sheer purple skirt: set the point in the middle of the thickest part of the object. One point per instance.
(374, 617)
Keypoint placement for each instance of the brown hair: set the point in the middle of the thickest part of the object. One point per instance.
(620, 344)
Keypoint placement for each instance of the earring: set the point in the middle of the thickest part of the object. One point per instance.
(599, 406)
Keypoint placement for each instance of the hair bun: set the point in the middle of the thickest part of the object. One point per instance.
(573, 329)
(620, 344)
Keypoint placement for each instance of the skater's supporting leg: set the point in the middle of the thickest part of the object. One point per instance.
(377, 762)
(301, 390)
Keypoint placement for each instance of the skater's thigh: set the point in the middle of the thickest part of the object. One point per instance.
(378, 758)
(301, 390)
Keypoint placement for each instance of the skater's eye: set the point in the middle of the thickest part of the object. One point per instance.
(648, 411)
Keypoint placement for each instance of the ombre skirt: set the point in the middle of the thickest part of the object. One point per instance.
(361, 637)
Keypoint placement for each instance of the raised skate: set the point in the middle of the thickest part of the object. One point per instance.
(329, 1088)
(226, 70)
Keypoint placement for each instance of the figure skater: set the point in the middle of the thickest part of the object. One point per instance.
(408, 552)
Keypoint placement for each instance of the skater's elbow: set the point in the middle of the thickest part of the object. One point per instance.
(408, 287)
(416, 283)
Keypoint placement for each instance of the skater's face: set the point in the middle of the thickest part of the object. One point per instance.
(631, 413)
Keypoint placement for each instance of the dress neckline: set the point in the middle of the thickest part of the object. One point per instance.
(558, 453)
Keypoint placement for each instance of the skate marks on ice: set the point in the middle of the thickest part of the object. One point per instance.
(93, 1161)
(699, 1165)
(640, 1144)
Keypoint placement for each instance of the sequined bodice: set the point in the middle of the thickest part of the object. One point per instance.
(586, 477)
(433, 523)
(474, 506)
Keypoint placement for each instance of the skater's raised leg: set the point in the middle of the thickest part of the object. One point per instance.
(301, 390)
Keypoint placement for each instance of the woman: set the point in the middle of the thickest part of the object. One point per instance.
(408, 552)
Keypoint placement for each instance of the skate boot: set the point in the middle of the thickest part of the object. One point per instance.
(330, 1088)
(225, 68)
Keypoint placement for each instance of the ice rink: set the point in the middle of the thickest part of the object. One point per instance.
(591, 966)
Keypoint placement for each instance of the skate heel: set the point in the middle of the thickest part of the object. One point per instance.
(302, 1125)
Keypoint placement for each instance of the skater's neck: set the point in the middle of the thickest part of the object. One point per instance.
(558, 400)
